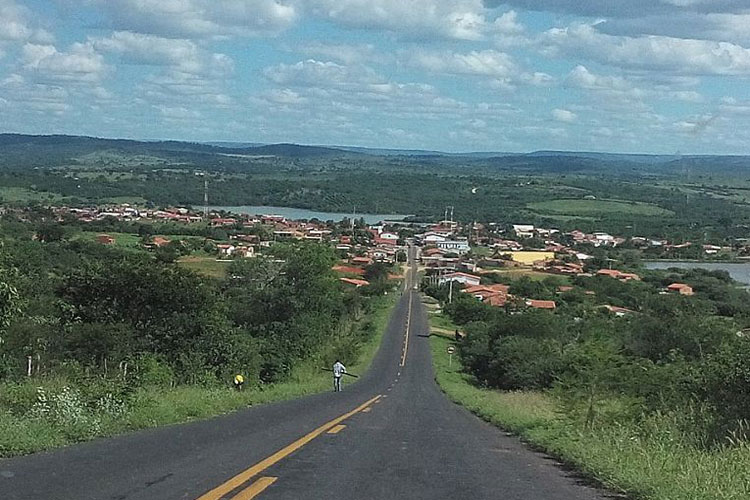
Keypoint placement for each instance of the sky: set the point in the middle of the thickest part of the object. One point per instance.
(646, 76)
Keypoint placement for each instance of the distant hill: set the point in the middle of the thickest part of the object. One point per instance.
(22, 151)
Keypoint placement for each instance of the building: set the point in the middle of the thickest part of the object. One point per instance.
(541, 304)
(523, 230)
(681, 288)
(352, 281)
(618, 275)
(455, 246)
(463, 278)
(105, 239)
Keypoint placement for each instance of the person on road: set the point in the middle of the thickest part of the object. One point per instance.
(338, 370)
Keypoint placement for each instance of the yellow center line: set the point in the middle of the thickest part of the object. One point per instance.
(255, 489)
(242, 477)
(339, 428)
(406, 337)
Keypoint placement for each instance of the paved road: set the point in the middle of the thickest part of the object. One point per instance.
(391, 435)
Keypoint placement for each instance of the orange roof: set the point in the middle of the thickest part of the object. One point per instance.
(349, 270)
(497, 300)
(541, 304)
(355, 282)
(679, 286)
(160, 241)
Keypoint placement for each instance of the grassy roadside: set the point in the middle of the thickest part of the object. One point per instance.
(648, 460)
(64, 417)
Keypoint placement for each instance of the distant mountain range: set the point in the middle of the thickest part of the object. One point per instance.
(19, 149)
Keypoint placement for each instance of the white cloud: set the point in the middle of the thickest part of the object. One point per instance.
(183, 55)
(625, 8)
(617, 88)
(15, 24)
(343, 53)
(201, 18)
(460, 19)
(726, 27)
(482, 63)
(79, 64)
(312, 73)
(563, 115)
(653, 53)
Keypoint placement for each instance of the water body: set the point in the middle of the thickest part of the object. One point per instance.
(301, 213)
(738, 271)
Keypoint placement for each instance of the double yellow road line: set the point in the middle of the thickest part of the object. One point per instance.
(264, 482)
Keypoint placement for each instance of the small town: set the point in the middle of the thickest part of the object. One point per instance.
(478, 259)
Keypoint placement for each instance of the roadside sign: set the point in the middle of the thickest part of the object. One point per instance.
(451, 349)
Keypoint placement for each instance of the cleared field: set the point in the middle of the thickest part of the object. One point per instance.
(207, 266)
(121, 239)
(15, 194)
(593, 207)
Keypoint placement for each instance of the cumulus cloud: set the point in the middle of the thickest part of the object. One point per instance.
(343, 53)
(617, 89)
(624, 8)
(183, 55)
(564, 115)
(201, 18)
(16, 26)
(654, 53)
(81, 63)
(482, 63)
(459, 19)
(726, 27)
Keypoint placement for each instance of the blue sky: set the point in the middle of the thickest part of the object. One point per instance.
(656, 76)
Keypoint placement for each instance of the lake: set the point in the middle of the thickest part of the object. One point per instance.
(301, 213)
(738, 271)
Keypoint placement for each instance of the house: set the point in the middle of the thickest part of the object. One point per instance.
(564, 288)
(432, 237)
(349, 270)
(523, 230)
(362, 261)
(681, 288)
(455, 246)
(464, 278)
(352, 281)
(618, 311)
(105, 239)
(618, 275)
(541, 304)
(226, 249)
(160, 241)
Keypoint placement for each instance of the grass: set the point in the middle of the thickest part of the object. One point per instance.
(157, 406)
(10, 194)
(121, 239)
(645, 461)
(515, 273)
(207, 266)
(594, 207)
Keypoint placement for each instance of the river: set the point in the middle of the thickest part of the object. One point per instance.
(301, 213)
(738, 271)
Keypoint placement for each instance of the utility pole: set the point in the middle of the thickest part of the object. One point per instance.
(354, 216)
(450, 292)
(205, 196)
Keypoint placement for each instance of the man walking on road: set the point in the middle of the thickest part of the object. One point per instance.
(338, 370)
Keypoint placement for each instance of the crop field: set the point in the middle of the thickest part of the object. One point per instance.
(593, 207)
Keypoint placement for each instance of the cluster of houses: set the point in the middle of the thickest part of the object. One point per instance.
(559, 255)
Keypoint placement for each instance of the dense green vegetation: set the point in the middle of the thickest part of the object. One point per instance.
(668, 380)
(647, 459)
(117, 338)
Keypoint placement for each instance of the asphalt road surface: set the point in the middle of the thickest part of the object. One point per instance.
(390, 435)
